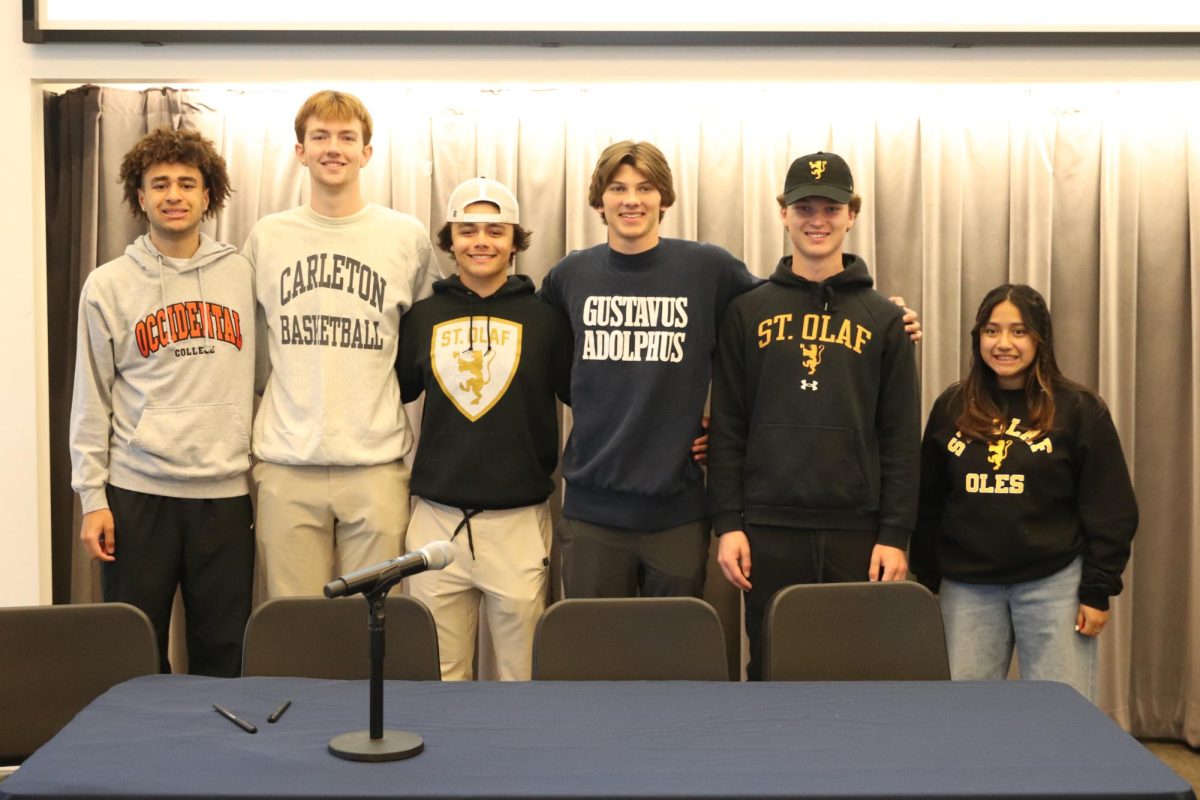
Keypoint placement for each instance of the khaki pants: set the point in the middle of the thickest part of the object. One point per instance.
(318, 522)
(506, 575)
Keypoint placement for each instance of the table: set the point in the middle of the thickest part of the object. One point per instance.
(158, 736)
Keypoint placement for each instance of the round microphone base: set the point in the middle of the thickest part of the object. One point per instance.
(359, 746)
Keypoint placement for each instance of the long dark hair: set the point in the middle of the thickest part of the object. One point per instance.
(981, 413)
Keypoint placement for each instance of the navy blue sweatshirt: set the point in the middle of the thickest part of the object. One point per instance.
(644, 327)
(816, 418)
(490, 368)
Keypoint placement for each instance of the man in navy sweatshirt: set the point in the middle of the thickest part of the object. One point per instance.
(644, 311)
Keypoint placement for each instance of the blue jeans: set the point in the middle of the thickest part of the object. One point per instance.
(984, 621)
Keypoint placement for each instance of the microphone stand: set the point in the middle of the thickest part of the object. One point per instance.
(377, 744)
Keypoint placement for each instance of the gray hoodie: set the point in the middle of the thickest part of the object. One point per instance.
(164, 375)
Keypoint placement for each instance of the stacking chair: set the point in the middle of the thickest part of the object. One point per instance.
(642, 638)
(54, 660)
(314, 637)
(854, 632)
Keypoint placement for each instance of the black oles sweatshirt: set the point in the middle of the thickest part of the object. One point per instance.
(815, 411)
(1023, 506)
(490, 369)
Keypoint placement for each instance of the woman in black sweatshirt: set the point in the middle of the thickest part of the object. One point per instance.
(1027, 510)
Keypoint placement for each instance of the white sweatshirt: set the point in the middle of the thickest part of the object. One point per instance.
(331, 292)
(164, 375)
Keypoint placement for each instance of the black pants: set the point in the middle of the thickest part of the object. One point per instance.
(204, 547)
(614, 562)
(782, 557)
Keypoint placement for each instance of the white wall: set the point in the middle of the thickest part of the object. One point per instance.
(24, 556)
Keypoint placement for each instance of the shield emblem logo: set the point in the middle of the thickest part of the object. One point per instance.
(473, 375)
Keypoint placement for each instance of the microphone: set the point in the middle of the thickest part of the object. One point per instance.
(435, 555)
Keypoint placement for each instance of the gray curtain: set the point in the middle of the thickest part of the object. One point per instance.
(1084, 192)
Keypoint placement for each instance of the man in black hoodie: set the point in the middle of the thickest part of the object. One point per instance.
(813, 458)
(490, 359)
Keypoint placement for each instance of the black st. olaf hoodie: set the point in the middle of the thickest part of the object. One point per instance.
(490, 369)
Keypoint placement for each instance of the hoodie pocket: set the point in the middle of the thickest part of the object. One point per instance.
(206, 441)
(805, 466)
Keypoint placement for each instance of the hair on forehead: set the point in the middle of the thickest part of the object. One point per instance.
(642, 156)
(445, 236)
(332, 105)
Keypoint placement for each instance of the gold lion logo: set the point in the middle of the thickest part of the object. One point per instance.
(476, 365)
(817, 168)
(812, 356)
(997, 452)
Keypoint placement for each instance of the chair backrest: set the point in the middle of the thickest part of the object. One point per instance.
(54, 660)
(854, 632)
(637, 639)
(314, 637)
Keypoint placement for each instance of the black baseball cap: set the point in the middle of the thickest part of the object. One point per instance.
(819, 174)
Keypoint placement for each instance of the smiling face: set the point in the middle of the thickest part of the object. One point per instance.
(1007, 346)
(174, 198)
(632, 208)
(817, 228)
(482, 250)
(334, 152)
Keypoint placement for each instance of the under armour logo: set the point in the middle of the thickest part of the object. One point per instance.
(807, 384)
(817, 168)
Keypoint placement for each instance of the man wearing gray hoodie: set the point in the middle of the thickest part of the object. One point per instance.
(164, 386)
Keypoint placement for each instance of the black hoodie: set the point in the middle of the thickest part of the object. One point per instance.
(1024, 506)
(815, 411)
(489, 430)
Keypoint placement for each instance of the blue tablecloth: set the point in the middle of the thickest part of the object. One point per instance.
(159, 737)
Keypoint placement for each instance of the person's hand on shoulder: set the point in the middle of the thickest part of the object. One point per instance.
(912, 320)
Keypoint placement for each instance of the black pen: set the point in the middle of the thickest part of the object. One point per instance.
(235, 719)
(277, 713)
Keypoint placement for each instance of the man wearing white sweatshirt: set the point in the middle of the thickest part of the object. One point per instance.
(160, 415)
(332, 279)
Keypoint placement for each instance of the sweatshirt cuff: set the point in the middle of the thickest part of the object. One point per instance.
(93, 500)
(728, 521)
(894, 537)
(1097, 600)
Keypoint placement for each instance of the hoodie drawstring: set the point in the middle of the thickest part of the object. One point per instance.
(466, 522)
(205, 316)
(473, 300)
(162, 296)
(822, 295)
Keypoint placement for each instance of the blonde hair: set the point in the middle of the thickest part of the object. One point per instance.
(328, 104)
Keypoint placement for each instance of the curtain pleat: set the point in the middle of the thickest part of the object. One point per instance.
(1085, 193)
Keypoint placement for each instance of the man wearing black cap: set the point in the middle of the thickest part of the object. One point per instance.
(813, 458)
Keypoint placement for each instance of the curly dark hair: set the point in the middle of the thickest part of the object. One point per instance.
(166, 146)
